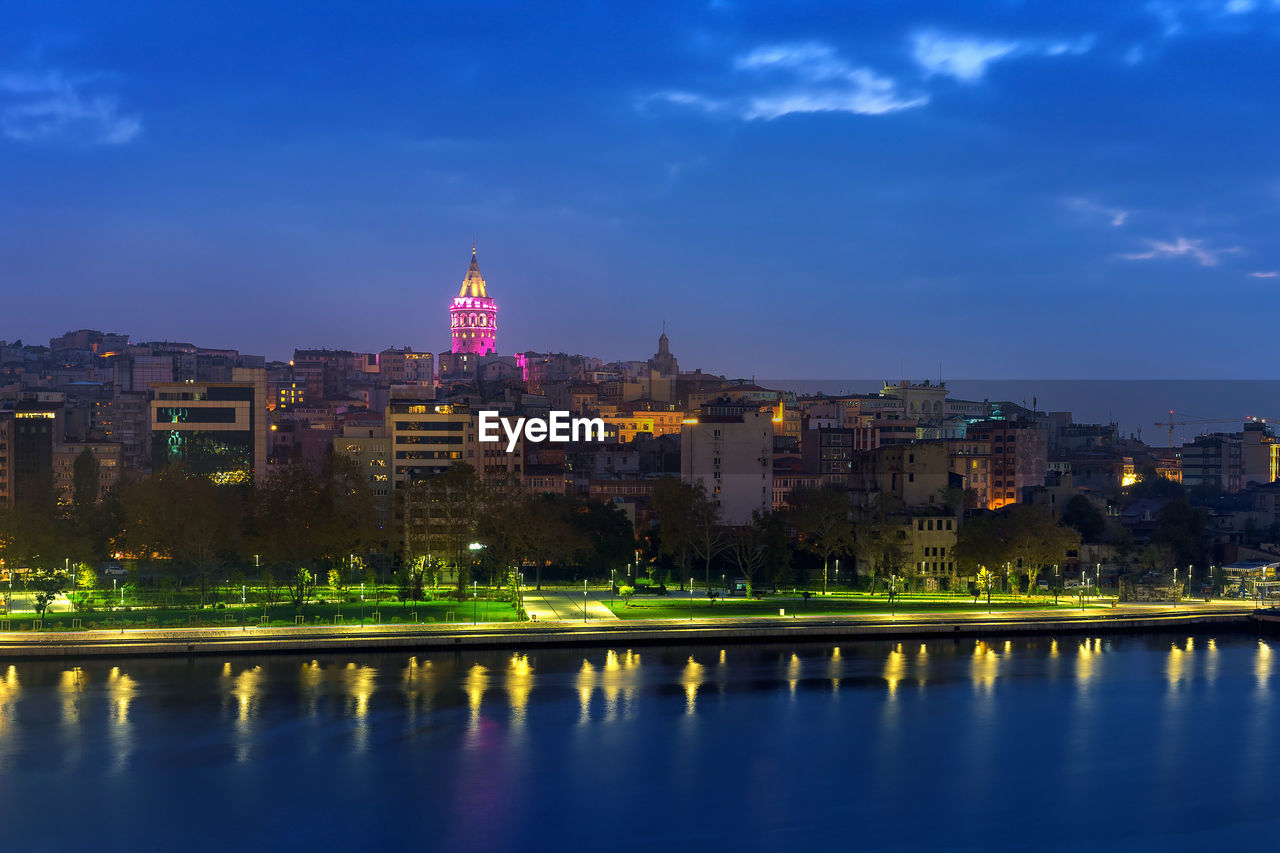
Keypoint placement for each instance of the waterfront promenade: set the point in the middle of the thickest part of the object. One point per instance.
(612, 632)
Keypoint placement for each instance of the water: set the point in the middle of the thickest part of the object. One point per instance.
(1133, 404)
(1120, 742)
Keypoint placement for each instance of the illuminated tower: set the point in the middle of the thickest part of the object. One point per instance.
(473, 317)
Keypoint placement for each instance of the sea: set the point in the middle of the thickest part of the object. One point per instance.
(1139, 407)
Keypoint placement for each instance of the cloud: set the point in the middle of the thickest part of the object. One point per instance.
(1181, 247)
(804, 77)
(49, 106)
(966, 59)
(1116, 216)
(1264, 274)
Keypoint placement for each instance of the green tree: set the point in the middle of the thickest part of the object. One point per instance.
(822, 518)
(48, 585)
(673, 501)
(708, 538)
(1081, 514)
(84, 479)
(300, 589)
(748, 545)
(985, 581)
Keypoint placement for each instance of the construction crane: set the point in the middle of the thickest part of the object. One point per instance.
(1194, 421)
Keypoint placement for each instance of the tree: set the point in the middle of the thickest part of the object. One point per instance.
(84, 481)
(48, 585)
(300, 588)
(1081, 514)
(1181, 529)
(822, 521)
(985, 581)
(184, 518)
(335, 582)
(748, 544)
(1035, 541)
(86, 580)
(673, 501)
(708, 538)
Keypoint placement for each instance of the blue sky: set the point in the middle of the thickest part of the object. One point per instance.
(799, 189)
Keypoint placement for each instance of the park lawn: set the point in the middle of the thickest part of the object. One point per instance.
(674, 607)
(389, 612)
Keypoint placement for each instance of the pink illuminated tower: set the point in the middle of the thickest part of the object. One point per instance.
(473, 316)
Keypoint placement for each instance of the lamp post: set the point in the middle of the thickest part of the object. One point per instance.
(893, 590)
(244, 595)
(584, 599)
(475, 604)
(362, 604)
(1082, 589)
(691, 601)
(113, 588)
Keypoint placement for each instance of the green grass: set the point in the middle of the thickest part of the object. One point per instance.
(279, 615)
(675, 607)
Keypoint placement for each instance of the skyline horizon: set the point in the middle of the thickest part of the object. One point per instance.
(822, 187)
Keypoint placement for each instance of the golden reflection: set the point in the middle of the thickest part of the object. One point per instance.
(1262, 665)
(894, 667)
(586, 686)
(311, 676)
(120, 690)
(1173, 669)
(1053, 648)
(246, 688)
(1086, 659)
(836, 668)
(358, 682)
(519, 684)
(922, 664)
(692, 679)
(476, 683)
(793, 672)
(609, 682)
(1211, 661)
(722, 657)
(986, 665)
(9, 690)
(71, 688)
(415, 680)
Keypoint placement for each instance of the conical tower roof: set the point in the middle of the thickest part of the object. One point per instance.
(473, 284)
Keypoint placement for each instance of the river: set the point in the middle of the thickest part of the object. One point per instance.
(1106, 742)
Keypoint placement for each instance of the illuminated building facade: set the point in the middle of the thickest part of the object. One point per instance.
(216, 429)
(27, 438)
(732, 458)
(108, 455)
(473, 316)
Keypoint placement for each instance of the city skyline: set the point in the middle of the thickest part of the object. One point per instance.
(941, 185)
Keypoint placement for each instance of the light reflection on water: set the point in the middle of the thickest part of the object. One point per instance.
(487, 747)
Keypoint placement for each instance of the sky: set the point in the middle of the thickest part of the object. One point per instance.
(796, 189)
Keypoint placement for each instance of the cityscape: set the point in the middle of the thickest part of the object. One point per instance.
(505, 426)
(93, 415)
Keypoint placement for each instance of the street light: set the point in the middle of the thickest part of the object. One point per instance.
(474, 603)
(584, 599)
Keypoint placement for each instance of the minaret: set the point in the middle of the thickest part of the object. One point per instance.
(473, 316)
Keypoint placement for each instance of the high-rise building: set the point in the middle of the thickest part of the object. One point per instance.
(473, 316)
(27, 438)
(732, 458)
(217, 429)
